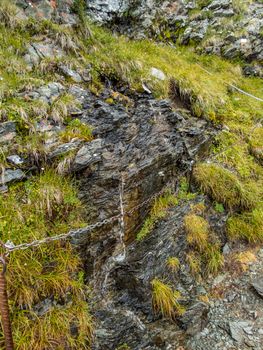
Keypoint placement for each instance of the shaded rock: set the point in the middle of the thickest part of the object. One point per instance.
(236, 329)
(10, 175)
(7, 131)
(47, 93)
(70, 73)
(3, 189)
(64, 149)
(88, 155)
(194, 319)
(258, 286)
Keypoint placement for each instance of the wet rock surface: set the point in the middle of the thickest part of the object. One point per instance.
(148, 143)
(231, 318)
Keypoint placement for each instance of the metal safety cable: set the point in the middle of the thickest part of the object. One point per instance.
(233, 86)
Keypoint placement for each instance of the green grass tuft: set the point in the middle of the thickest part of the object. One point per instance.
(247, 226)
(225, 187)
(76, 130)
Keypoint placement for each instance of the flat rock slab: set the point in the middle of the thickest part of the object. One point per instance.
(237, 330)
(10, 175)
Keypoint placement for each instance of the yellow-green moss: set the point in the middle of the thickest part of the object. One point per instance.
(76, 130)
(247, 226)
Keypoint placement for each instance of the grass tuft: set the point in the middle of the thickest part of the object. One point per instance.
(165, 300)
(41, 207)
(61, 107)
(247, 226)
(157, 212)
(173, 264)
(194, 261)
(225, 187)
(197, 230)
(8, 14)
(76, 130)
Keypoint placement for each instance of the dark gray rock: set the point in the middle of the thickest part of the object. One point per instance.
(195, 318)
(87, 155)
(10, 175)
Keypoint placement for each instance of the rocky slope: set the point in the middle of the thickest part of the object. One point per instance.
(229, 28)
(83, 136)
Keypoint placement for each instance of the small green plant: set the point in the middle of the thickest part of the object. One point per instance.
(173, 263)
(184, 193)
(203, 3)
(76, 130)
(123, 347)
(219, 207)
(165, 300)
(157, 212)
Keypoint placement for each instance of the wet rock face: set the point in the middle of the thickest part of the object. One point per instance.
(148, 143)
(129, 283)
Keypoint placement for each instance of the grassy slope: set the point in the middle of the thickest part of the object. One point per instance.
(236, 154)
